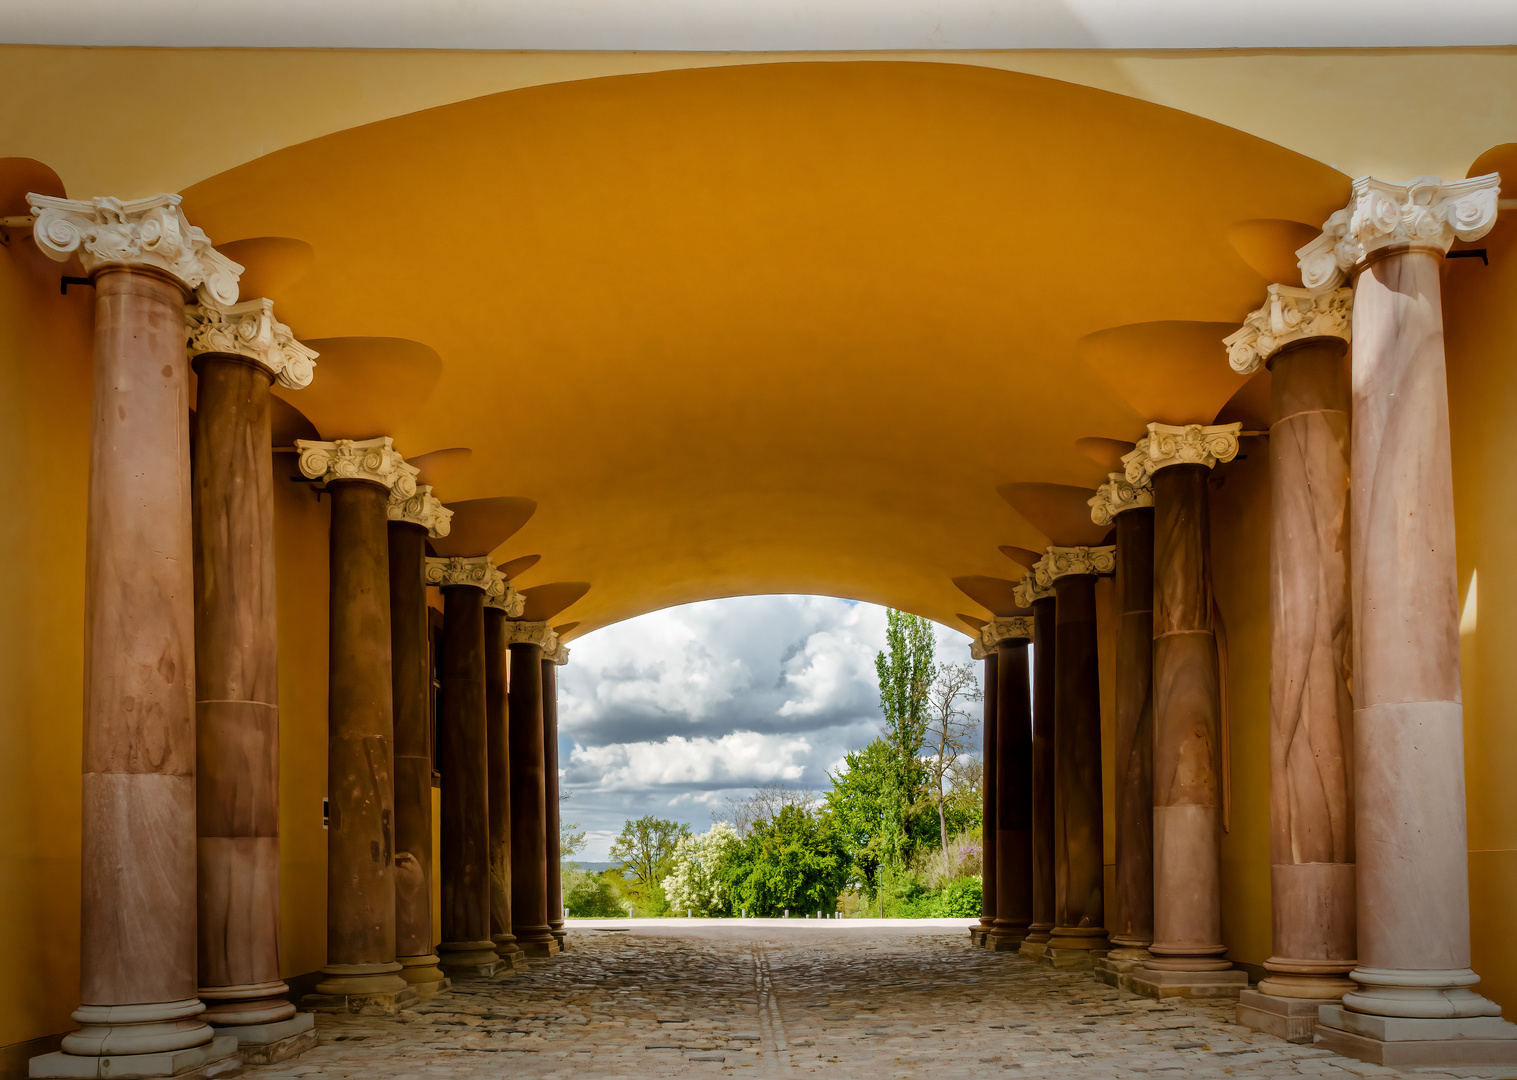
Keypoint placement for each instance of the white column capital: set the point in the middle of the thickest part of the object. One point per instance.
(149, 233)
(374, 460)
(1012, 628)
(1289, 315)
(1060, 562)
(421, 508)
(1190, 444)
(1119, 494)
(559, 653)
(532, 633)
(475, 571)
(1029, 589)
(250, 330)
(503, 597)
(1427, 214)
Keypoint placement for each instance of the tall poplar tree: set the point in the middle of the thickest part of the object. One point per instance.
(905, 672)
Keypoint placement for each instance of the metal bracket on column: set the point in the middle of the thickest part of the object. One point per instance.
(16, 221)
(66, 281)
(1469, 253)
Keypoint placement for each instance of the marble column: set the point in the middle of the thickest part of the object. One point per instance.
(529, 849)
(979, 933)
(497, 755)
(466, 947)
(552, 660)
(1303, 340)
(1040, 600)
(1188, 958)
(1414, 1003)
(237, 354)
(1079, 933)
(412, 521)
(139, 1006)
(362, 478)
(1013, 806)
(1130, 910)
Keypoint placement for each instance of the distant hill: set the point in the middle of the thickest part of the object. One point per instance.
(586, 864)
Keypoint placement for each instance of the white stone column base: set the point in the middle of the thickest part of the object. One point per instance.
(1291, 1019)
(1417, 1042)
(265, 1044)
(1190, 984)
(219, 1057)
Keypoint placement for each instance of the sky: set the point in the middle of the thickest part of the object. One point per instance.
(671, 712)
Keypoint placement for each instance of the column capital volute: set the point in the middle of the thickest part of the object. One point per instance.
(525, 632)
(372, 460)
(1058, 562)
(249, 330)
(559, 653)
(1029, 589)
(1006, 628)
(422, 508)
(1188, 444)
(1426, 214)
(1289, 315)
(150, 233)
(1119, 494)
(477, 572)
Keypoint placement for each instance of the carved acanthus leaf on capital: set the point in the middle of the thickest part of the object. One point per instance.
(1060, 562)
(1010, 628)
(977, 649)
(1029, 589)
(1289, 314)
(1190, 444)
(250, 330)
(150, 232)
(421, 508)
(505, 598)
(532, 633)
(374, 460)
(559, 653)
(1426, 213)
(1119, 494)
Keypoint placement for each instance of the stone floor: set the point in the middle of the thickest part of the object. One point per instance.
(850, 999)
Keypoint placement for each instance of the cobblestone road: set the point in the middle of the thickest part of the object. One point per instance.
(872, 1003)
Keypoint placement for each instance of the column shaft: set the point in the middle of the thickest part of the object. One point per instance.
(466, 944)
(499, 786)
(529, 866)
(988, 808)
(1311, 711)
(237, 693)
(360, 787)
(550, 800)
(1013, 797)
(1132, 916)
(1079, 894)
(1044, 654)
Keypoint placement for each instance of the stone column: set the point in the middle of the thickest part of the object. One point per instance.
(1079, 934)
(1008, 637)
(529, 814)
(497, 611)
(1415, 1003)
(1188, 958)
(552, 660)
(237, 354)
(361, 973)
(137, 935)
(1130, 914)
(466, 948)
(980, 932)
(1303, 339)
(1041, 602)
(412, 521)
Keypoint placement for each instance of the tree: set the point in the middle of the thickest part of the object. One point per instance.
(763, 805)
(695, 884)
(645, 851)
(796, 862)
(905, 673)
(571, 839)
(860, 804)
(949, 733)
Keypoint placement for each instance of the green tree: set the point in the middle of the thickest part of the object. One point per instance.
(860, 805)
(798, 861)
(905, 672)
(695, 884)
(645, 852)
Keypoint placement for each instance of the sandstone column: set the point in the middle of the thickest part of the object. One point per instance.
(1079, 933)
(1415, 1003)
(1303, 339)
(361, 973)
(1130, 915)
(1040, 600)
(1188, 957)
(237, 354)
(979, 933)
(552, 660)
(497, 611)
(1013, 811)
(412, 521)
(529, 815)
(138, 980)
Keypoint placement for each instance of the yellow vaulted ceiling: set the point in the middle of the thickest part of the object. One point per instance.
(768, 328)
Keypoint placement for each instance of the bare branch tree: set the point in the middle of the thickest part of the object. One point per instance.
(950, 731)
(763, 805)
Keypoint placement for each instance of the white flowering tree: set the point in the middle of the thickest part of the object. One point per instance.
(693, 885)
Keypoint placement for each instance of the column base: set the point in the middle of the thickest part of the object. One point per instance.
(266, 1044)
(1033, 950)
(560, 935)
(423, 975)
(1005, 938)
(538, 948)
(1117, 967)
(377, 1003)
(1069, 959)
(255, 1003)
(219, 1057)
(1417, 1042)
(980, 933)
(1163, 983)
(469, 959)
(1290, 1018)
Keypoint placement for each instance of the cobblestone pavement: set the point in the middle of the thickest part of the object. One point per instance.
(750, 1000)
